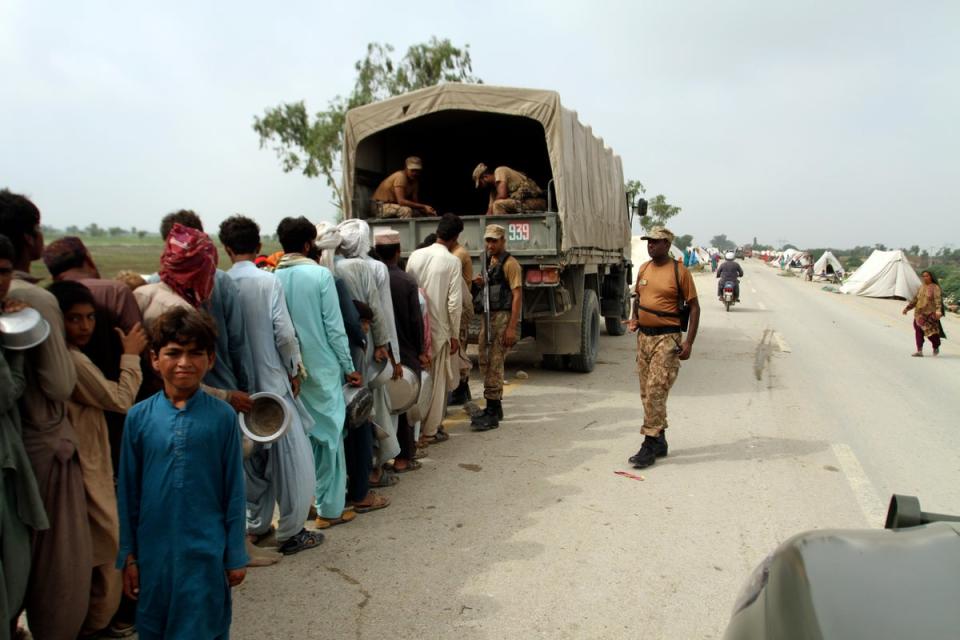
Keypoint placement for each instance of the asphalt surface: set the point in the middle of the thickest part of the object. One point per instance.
(800, 409)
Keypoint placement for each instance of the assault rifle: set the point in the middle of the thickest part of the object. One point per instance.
(487, 325)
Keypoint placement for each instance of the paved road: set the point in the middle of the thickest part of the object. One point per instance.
(800, 409)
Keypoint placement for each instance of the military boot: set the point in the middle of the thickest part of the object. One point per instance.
(460, 395)
(489, 419)
(651, 449)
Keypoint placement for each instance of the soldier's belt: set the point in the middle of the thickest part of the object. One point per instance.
(658, 331)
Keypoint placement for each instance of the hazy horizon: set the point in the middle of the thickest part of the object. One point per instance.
(820, 125)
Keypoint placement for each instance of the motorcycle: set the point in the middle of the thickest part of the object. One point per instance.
(729, 294)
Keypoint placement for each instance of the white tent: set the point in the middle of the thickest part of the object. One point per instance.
(827, 260)
(639, 255)
(885, 274)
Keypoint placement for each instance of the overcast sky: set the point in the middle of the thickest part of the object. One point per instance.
(819, 123)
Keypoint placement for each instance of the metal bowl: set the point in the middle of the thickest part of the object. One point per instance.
(359, 405)
(419, 410)
(380, 373)
(23, 329)
(403, 392)
(269, 418)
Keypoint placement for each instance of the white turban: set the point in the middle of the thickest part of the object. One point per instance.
(355, 238)
(328, 241)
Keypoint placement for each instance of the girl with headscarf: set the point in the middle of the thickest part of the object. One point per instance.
(928, 309)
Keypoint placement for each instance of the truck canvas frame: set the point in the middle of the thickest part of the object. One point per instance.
(575, 255)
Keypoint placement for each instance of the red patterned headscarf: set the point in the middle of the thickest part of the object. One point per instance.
(189, 263)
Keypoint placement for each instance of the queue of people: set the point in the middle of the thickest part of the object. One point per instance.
(132, 501)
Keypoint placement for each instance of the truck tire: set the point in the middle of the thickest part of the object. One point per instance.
(586, 360)
(615, 326)
(553, 361)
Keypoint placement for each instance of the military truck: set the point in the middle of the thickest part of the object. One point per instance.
(575, 255)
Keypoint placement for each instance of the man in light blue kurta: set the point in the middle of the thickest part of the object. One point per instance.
(283, 471)
(311, 296)
(181, 514)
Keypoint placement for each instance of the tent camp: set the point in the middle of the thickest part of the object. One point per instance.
(885, 274)
(639, 255)
(827, 264)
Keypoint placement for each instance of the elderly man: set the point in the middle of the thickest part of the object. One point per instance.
(439, 273)
(510, 190)
(62, 560)
(369, 282)
(398, 196)
(665, 297)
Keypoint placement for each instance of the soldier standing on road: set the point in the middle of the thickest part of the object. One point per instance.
(398, 196)
(504, 279)
(663, 288)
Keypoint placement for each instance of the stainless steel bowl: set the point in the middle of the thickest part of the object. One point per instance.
(23, 329)
(419, 410)
(269, 418)
(403, 392)
(380, 374)
(359, 405)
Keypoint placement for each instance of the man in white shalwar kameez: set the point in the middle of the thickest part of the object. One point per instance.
(282, 472)
(438, 272)
(368, 281)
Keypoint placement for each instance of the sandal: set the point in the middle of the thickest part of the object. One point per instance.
(257, 538)
(412, 465)
(422, 452)
(386, 480)
(439, 436)
(326, 523)
(300, 542)
(376, 502)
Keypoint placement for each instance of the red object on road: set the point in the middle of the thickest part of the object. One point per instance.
(632, 476)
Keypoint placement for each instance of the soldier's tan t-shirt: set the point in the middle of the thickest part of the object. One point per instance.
(656, 287)
(385, 193)
(511, 272)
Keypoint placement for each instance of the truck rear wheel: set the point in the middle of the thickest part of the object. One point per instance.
(615, 326)
(586, 360)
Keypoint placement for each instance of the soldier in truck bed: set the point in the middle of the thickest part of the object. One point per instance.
(398, 196)
(510, 190)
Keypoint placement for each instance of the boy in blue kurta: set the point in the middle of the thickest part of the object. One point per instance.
(181, 493)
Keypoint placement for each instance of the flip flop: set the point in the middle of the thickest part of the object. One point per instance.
(412, 465)
(379, 502)
(386, 480)
(326, 523)
(439, 436)
(301, 542)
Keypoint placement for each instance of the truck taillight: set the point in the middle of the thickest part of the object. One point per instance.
(545, 275)
(534, 276)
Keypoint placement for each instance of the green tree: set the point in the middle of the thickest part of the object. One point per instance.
(313, 145)
(722, 243)
(117, 231)
(94, 230)
(683, 241)
(659, 212)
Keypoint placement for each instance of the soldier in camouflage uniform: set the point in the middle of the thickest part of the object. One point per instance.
(510, 190)
(505, 282)
(662, 289)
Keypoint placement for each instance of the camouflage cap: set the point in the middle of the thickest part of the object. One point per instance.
(494, 232)
(658, 233)
(478, 173)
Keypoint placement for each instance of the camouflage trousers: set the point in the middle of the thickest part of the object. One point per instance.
(465, 363)
(512, 205)
(657, 364)
(492, 367)
(391, 210)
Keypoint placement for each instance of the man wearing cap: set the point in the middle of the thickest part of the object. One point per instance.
(663, 290)
(505, 281)
(408, 319)
(510, 190)
(398, 195)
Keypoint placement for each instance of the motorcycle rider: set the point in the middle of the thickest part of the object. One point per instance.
(729, 271)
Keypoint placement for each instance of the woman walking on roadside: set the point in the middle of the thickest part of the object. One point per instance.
(928, 309)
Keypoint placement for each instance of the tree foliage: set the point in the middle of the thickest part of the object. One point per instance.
(722, 243)
(684, 241)
(659, 212)
(313, 144)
